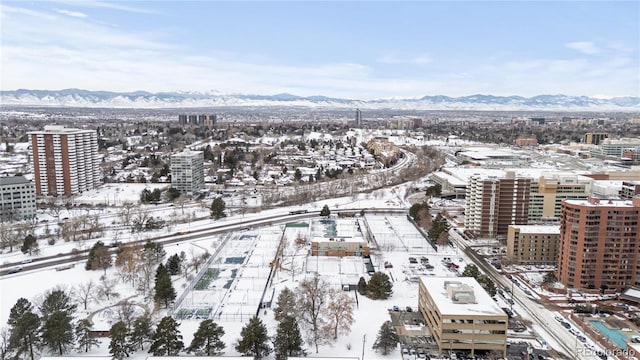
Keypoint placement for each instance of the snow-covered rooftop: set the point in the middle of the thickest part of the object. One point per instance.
(484, 304)
(538, 229)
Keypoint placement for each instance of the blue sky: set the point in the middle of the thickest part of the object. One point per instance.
(357, 49)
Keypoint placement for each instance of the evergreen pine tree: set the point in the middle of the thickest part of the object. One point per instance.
(217, 208)
(471, 270)
(379, 286)
(119, 347)
(487, 284)
(29, 245)
(24, 325)
(254, 340)
(57, 300)
(141, 332)
(84, 339)
(57, 332)
(325, 211)
(288, 341)
(387, 339)
(99, 257)
(362, 286)
(167, 340)
(285, 305)
(164, 291)
(207, 339)
(438, 226)
(173, 264)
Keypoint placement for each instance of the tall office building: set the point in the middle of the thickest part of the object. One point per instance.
(205, 120)
(547, 194)
(187, 171)
(358, 118)
(599, 244)
(17, 199)
(595, 138)
(495, 203)
(65, 160)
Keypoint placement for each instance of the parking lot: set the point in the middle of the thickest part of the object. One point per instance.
(415, 340)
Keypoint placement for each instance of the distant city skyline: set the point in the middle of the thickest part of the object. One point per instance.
(358, 49)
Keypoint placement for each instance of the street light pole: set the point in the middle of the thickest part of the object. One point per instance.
(364, 339)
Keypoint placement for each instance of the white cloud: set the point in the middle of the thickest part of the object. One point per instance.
(585, 47)
(106, 5)
(72, 13)
(395, 59)
(81, 53)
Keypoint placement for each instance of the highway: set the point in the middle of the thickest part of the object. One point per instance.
(183, 236)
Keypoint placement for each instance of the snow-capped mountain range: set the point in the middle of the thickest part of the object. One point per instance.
(166, 100)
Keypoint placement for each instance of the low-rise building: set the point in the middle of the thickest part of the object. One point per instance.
(533, 244)
(461, 315)
(339, 247)
(17, 199)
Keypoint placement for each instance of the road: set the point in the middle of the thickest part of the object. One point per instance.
(547, 327)
(213, 229)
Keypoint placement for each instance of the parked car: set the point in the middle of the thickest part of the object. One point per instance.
(396, 308)
(409, 309)
(388, 265)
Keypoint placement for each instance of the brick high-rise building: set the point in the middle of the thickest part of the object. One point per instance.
(65, 160)
(533, 244)
(599, 244)
(495, 203)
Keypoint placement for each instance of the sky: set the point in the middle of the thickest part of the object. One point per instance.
(356, 49)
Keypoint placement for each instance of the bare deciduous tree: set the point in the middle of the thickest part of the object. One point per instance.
(125, 312)
(339, 313)
(312, 302)
(126, 213)
(85, 292)
(107, 289)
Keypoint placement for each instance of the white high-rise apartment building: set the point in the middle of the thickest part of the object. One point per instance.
(187, 171)
(65, 160)
(17, 199)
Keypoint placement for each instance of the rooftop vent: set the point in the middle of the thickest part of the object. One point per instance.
(460, 293)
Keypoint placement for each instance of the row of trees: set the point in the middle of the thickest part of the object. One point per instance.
(50, 326)
(437, 229)
(485, 281)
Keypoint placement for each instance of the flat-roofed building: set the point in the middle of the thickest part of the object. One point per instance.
(547, 194)
(599, 242)
(614, 148)
(630, 189)
(17, 199)
(495, 203)
(65, 160)
(339, 247)
(187, 171)
(533, 244)
(595, 138)
(461, 315)
(526, 142)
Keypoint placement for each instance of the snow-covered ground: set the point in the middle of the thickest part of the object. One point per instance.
(230, 307)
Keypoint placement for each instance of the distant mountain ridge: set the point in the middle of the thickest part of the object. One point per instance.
(148, 100)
